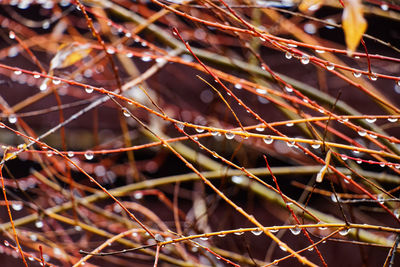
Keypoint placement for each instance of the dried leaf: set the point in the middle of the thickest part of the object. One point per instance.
(69, 54)
(322, 172)
(353, 23)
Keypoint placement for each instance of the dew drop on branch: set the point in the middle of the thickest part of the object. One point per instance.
(357, 74)
(12, 118)
(344, 232)
(89, 155)
(39, 224)
(89, 89)
(295, 230)
(257, 232)
(305, 60)
(229, 135)
(288, 55)
(330, 66)
(268, 140)
(17, 206)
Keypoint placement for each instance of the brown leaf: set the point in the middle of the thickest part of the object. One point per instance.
(353, 23)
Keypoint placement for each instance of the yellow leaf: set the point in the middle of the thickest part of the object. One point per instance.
(9, 156)
(310, 5)
(353, 23)
(69, 54)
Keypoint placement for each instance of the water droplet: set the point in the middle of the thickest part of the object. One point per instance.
(319, 51)
(89, 89)
(357, 74)
(344, 232)
(11, 35)
(56, 81)
(261, 91)
(344, 157)
(381, 199)
(126, 113)
(6, 243)
(159, 238)
(384, 7)
(288, 55)
(238, 233)
(262, 39)
(222, 235)
(33, 237)
(214, 133)
(257, 232)
(70, 154)
(146, 59)
(260, 129)
(12, 118)
(49, 154)
(39, 224)
(89, 155)
(274, 230)
(396, 213)
(83, 263)
(138, 195)
(373, 136)
(292, 45)
(289, 124)
(36, 76)
(290, 143)
(322, 227)
(282, 248)
(237, 179)
(199, 130)
(305, 60)
(359, 161)
(17, 206)
(288, 89)
(370, 120)
(180, 126)
(238, 86)
(17, 72)
(316, 145)
(43, 87)
(229, 135)
(204, 238)
(268, 140)
(334, 199)
(330, 66)
(373, 77)
(295, 230)
(362, 133)
(392, 119)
